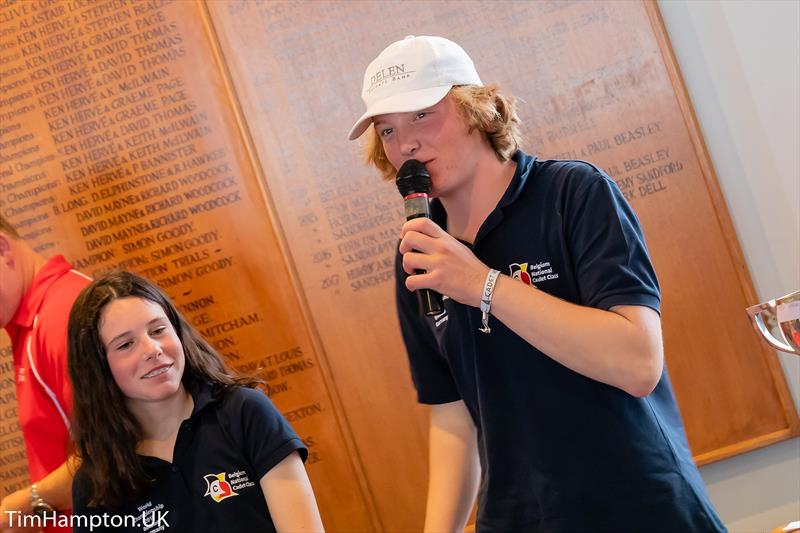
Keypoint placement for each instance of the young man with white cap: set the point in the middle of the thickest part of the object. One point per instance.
(545, 373)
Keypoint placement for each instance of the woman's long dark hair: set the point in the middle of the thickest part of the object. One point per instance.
(105, 433)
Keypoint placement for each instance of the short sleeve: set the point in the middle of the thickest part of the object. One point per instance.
(51, 355)
(52, 361)
(430, 370)
(606, 242)
(268, 437)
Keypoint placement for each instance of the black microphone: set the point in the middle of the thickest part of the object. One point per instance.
(414, 183)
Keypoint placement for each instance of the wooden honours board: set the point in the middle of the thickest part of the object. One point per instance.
(203, 144)
(121, 149)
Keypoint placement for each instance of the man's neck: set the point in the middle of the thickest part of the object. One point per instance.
(30, 264)
(27, 264)
(468, 207)
(37, 263)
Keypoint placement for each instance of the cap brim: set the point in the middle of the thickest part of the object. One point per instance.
(399, 103)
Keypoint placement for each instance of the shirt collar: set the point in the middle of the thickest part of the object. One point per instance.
(202, 395)
(32, 301)
(515, 187)
(521, 174)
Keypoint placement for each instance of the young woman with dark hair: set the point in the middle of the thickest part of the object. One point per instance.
(167, 435)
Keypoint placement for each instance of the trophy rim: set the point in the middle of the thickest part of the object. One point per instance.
(770, 304)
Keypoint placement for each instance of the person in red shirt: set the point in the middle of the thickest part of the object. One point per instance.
(36, 296)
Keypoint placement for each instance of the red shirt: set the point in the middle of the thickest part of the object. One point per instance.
(38, 332)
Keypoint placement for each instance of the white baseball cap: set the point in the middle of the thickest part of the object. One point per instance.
(413, 74)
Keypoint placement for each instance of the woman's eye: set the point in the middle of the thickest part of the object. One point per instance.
(125, 345)
(159, 330)
(421, 114)
(385, 132)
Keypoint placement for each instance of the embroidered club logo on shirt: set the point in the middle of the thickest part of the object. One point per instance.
(520, 271)
(218, 488)
(530, 274)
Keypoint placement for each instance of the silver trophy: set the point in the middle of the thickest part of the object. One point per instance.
(778, 321)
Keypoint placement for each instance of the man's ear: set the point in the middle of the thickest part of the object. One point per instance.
(6, 250)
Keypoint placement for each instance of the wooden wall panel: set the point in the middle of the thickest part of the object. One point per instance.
(598, 82)
(121, 149)
(203, 144)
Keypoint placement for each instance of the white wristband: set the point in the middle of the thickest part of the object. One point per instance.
(486, 299)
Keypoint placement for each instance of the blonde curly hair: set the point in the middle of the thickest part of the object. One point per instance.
(484, 108)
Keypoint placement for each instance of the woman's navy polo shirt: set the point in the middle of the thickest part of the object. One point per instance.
(213, 484)
(559, 451)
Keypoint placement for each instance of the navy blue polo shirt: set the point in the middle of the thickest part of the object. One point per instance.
(213, 484)
(559, 451)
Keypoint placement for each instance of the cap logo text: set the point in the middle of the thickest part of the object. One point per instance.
(387, 74)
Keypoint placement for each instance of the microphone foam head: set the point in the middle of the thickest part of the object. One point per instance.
(413, 177)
